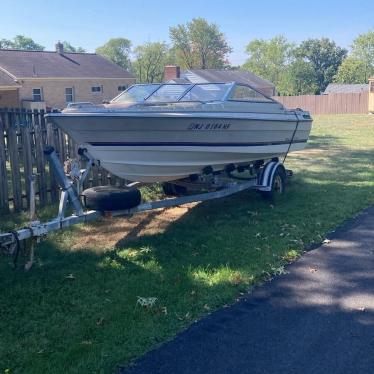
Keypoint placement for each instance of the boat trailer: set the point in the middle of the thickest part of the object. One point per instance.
(71, 185)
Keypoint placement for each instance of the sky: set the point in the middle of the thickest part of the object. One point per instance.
(89, 24)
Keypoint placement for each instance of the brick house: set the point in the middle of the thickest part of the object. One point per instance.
(46, 79)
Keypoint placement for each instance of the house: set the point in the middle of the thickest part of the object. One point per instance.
(366, 89)
(173, 73)
(334, 88)
(41, 79)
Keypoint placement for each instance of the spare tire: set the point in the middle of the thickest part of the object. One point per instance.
(105, 198)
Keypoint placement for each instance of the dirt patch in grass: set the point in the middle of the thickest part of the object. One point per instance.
(109, 232)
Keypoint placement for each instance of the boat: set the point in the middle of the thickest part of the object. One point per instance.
(172, 131)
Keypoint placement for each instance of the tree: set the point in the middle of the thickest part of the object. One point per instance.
(363, 51)
(69, 48)
(269, 58)
(325, 58)
(21, 42)
(298, 79)
(150, 59)
(117, 50)
(199, 44)
(182, 47)
(5, 43)
(352, 70)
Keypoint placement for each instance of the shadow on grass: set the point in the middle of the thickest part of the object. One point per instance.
(317, 141)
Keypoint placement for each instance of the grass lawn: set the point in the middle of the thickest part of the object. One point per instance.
(76, 311)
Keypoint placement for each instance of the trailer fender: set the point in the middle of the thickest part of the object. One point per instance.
(268, 173)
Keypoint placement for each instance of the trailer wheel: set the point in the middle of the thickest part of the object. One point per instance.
(278, 184)
(107, 198)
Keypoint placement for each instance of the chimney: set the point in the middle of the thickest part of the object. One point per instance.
(171, 72)
(59, 48)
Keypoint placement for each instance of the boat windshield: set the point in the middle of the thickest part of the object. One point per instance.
(207, 92)
(245, 93)
(190, 92)
(168, 93)
(136, 93)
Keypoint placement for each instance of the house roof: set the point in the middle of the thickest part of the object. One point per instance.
(178, 80)
(346, 88)
(7, 80)
(44, 64)
(223, 75)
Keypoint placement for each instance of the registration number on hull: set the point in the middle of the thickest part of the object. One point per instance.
(208, 126)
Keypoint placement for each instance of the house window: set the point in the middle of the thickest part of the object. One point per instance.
(372, 86)
(37, 94)
(121, 88)
(97, 89)
(69, 94)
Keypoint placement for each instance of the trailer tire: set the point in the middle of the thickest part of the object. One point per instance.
(108, 198)
(278, 184)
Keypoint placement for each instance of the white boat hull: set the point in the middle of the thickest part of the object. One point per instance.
(147, 164)
(169, 146)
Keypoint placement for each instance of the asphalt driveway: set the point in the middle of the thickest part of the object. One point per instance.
(317, 318)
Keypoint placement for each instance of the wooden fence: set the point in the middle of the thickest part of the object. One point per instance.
(341, 103)
(23, 137)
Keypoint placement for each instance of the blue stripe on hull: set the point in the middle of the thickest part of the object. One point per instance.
(192, 144)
